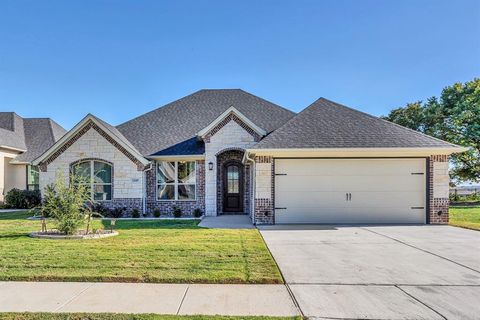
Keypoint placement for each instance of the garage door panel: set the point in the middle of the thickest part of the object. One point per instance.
(359, 199)
(319, 199)
(349, 215)
(365, 167)
(349, 183)
(382, 190)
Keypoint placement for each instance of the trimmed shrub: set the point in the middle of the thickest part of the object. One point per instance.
(197, 213)
(117, 212)
(101, 209)
(156, 213)
(22, 199)
(135, 213)
(177, 212)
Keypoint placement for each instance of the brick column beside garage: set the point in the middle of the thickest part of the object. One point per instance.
(439, 189)
(264, 175)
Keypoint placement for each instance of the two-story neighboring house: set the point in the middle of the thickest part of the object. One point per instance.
(21, 141)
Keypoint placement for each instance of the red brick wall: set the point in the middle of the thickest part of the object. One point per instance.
(264, 207)
(438, 206)
(166, 207)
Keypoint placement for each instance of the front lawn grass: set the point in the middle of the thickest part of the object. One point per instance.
(465, 217)
(117, 316)
(169, 251)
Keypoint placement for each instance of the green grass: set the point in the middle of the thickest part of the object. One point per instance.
(116, 316)
(169, 251)
(465, 217)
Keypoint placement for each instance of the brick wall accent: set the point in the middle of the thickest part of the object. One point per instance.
(439, 201)
(264, 195)
(222, 158)
(231, 117)
(129, 203)
(166, 207)
(230, 137)
(89, 125)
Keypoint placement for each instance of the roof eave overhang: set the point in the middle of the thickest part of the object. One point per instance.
(202, 133)
(177, 157)
(357, 152)
(12, 148)
(75, 129)
(19, 162)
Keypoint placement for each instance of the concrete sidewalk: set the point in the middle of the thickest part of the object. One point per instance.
(183, 299)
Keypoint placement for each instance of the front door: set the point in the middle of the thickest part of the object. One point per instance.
(233, 187)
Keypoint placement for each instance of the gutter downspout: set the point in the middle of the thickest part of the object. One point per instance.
(246, 158)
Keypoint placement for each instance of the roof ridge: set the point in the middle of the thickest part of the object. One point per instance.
(390, 122)
(157, 108)
(281, 107)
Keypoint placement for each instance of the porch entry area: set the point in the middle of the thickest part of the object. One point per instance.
(233, 187)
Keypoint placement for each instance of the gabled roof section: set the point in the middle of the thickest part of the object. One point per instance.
(326, 124)
(229, 112)
(28, 136)
(40, 134)
(12, 135)
(75, 133)
(183, 119)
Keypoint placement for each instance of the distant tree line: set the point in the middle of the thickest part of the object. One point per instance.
(453, 117)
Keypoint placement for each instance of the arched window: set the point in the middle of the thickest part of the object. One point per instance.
(97, 175)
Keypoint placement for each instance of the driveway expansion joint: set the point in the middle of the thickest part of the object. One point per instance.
(294, 299)
(421, 302)
(423, 250)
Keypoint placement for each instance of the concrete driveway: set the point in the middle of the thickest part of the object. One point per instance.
(380, 272)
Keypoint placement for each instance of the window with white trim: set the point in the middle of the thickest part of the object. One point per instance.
(97, 175)
(176, 180)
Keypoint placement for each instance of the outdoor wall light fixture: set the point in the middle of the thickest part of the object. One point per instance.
(210, 166)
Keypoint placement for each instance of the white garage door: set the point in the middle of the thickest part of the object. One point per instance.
(350, 190)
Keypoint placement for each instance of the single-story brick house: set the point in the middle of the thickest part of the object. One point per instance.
(230, 152)
(21, 141)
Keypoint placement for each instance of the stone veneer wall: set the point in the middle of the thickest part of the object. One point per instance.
(439, 189)
(264, 190)
(166, 206)
(127, 179)
(227, 136)
(221, 159)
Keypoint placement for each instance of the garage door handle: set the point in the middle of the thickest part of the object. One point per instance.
(280, 208)
(348, 196)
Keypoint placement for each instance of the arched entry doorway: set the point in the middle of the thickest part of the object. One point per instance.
(233, 183)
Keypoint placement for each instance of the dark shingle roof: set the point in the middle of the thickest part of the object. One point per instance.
(40, 134)
(11, 131)
(35, 135)
(326, 124)
(176, 123)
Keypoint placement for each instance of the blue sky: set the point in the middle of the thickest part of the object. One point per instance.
(119, 59)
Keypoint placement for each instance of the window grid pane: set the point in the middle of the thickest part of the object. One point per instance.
(181, 177)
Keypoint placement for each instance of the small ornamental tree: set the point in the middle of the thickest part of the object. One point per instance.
(65, 203)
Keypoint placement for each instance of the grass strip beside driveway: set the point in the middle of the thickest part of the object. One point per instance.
(163, 251)
(465, 217)
(116, 316)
